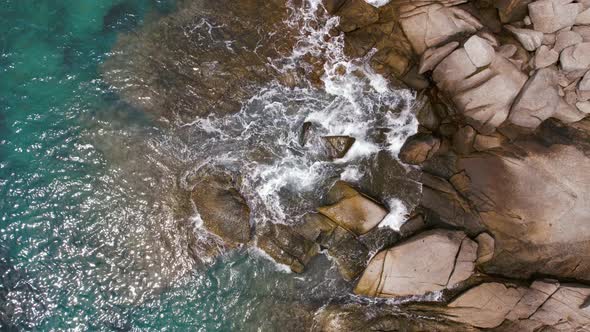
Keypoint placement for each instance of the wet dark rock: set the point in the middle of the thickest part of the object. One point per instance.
(463, 140)
(419, 148)
(286, 246)
(357, 317)
(222, 208)
(350, 254)
(332, 6)
(356, 14)
(337, 146)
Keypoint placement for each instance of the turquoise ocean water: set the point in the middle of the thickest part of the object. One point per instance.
(84, 242)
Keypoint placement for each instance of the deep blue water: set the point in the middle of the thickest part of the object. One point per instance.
(85, 243)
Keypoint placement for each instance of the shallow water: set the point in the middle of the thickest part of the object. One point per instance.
(96, 230)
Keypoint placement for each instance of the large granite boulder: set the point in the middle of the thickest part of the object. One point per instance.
(532, 197)
(419, 148)
(222, 208)
(432, 261)
(484, 96)
(544, 306)
(432, 23)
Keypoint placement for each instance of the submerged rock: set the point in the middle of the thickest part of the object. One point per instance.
(206, 58)
(222, 208)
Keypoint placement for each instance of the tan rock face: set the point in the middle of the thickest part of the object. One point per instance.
(551, 15)
(429, 262)
(576, 57)
(484, 306)
(530, 39)
(434, 23)
(537, 101)
(357, 214)
(535, 203)
(419, 148)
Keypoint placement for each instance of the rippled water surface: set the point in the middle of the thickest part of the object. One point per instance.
(96, 228)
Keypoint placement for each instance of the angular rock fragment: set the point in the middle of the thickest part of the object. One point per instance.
(548, 16)
(463, 139)
(419, 148)
(576, 57)
(486, 142)
(537, 101)
(434, 24)
(433, 56)
(565, 39)
(485, 247)
(428, 262)
(530, 39)
(480, 52)
(545, 57)
(337, 146)
(357, 214)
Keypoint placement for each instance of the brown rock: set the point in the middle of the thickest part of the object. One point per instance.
(357, 214)
(485, 142)
(286, 246)
(355, 14)
(534, 204)
(222, 208)
(332, 6)
(484, 306)
(419, 148)
(545, 57)
(429, 262)
(463, 140)
(485, 248)
(565, 39)
(337, 146)
(512, 10)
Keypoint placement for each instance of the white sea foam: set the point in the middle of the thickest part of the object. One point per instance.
(280, 178)
(398, 214)
(378, 3)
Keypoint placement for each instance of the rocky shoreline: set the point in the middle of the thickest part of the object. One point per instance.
(499, 236)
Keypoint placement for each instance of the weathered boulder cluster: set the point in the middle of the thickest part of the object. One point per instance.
(503, 144)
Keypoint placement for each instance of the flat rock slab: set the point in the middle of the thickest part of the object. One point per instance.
(357, 214)
(431, 261)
